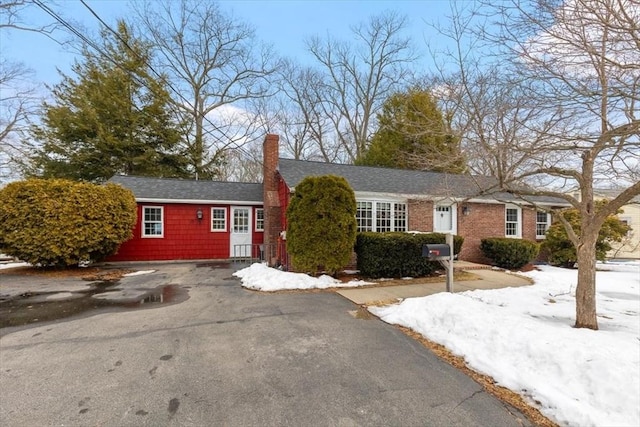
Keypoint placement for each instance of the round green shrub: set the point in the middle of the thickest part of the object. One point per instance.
(321, 224)
(509, 253)
(57, 222)
(562, 252)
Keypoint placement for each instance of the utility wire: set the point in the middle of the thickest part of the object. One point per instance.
(104, 54)
(167, 82)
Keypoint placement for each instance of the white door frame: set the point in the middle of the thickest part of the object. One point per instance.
(240, 231)
(453, 214)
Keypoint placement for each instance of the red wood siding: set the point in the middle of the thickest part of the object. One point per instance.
(185, 237)
(284, 195)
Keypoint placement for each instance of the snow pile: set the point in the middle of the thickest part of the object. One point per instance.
(263, 278)
(524, 339)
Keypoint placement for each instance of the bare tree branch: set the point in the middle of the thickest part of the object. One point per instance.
(546, 101)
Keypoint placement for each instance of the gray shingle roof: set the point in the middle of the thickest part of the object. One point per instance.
(186, 189)
(401, 181)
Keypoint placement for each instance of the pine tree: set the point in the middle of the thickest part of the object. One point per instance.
(113, 117)
(413, 134)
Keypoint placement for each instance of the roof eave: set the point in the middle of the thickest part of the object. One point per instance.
(198, 201)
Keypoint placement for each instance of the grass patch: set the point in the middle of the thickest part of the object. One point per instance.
(85, 273)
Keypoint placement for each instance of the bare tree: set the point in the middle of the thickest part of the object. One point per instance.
(358, 77)
(17, 93)
(17, 103)
(12, 17)
(296, 114)
(551, 100)
(214, 65)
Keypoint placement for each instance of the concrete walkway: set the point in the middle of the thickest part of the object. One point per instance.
(489, 279)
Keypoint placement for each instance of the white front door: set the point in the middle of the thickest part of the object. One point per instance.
(240, 232)
(444, 219)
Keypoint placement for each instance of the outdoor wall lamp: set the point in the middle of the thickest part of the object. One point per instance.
(466, 210)
(199, 214)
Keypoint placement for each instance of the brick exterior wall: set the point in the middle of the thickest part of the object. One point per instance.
(483, 220)
(272, 206)
(276, 200)
(420, 214)
(529, 223)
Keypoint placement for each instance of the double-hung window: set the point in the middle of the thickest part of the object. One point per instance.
(400, 216)
(543, 221)
(259, 219)
(152, 221)
(381, 216)
(364, 216)
(218, 219)
(512, 221)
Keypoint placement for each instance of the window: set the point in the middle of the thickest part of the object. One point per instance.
(400, 216)
(241, 220)
(543, 221)
(218, 219)
(152, 221)
(259, 219)
(512, 215)
(383, 217)
(388, 216)
(364, 216)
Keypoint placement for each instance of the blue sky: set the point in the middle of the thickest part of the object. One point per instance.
(284, 24)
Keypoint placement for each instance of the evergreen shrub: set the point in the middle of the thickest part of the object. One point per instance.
(321, 224)
(57, 222)
(398, 254)
(562, 251)
(509, 253)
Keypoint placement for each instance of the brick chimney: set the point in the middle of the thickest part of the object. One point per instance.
(272, 208)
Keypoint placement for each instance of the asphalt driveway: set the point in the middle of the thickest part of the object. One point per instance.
(232, 357)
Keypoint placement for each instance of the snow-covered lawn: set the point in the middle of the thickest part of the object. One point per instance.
(6, 265)
(524, 339)
(263, 278)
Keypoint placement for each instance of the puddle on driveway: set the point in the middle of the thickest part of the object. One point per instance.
(46, 306)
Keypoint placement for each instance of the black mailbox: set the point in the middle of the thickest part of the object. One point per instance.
(436, 251)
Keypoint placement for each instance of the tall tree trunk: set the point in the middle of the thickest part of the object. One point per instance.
(586, 289)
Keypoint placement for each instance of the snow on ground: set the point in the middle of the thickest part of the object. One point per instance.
(138, 273)
(13, 265)
(524, 339)
(263, 278)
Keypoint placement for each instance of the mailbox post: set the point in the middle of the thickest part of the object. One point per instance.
(443, 254)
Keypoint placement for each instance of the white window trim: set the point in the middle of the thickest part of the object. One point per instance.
(454, 217)
(393, 202)
(518, 234)
(219, 230)
(152, 236)
(542, 236)
(255, 221)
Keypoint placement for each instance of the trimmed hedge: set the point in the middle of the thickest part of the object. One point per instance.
(398, 254)
(509, 253)
(57, 222)
(321, 224)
